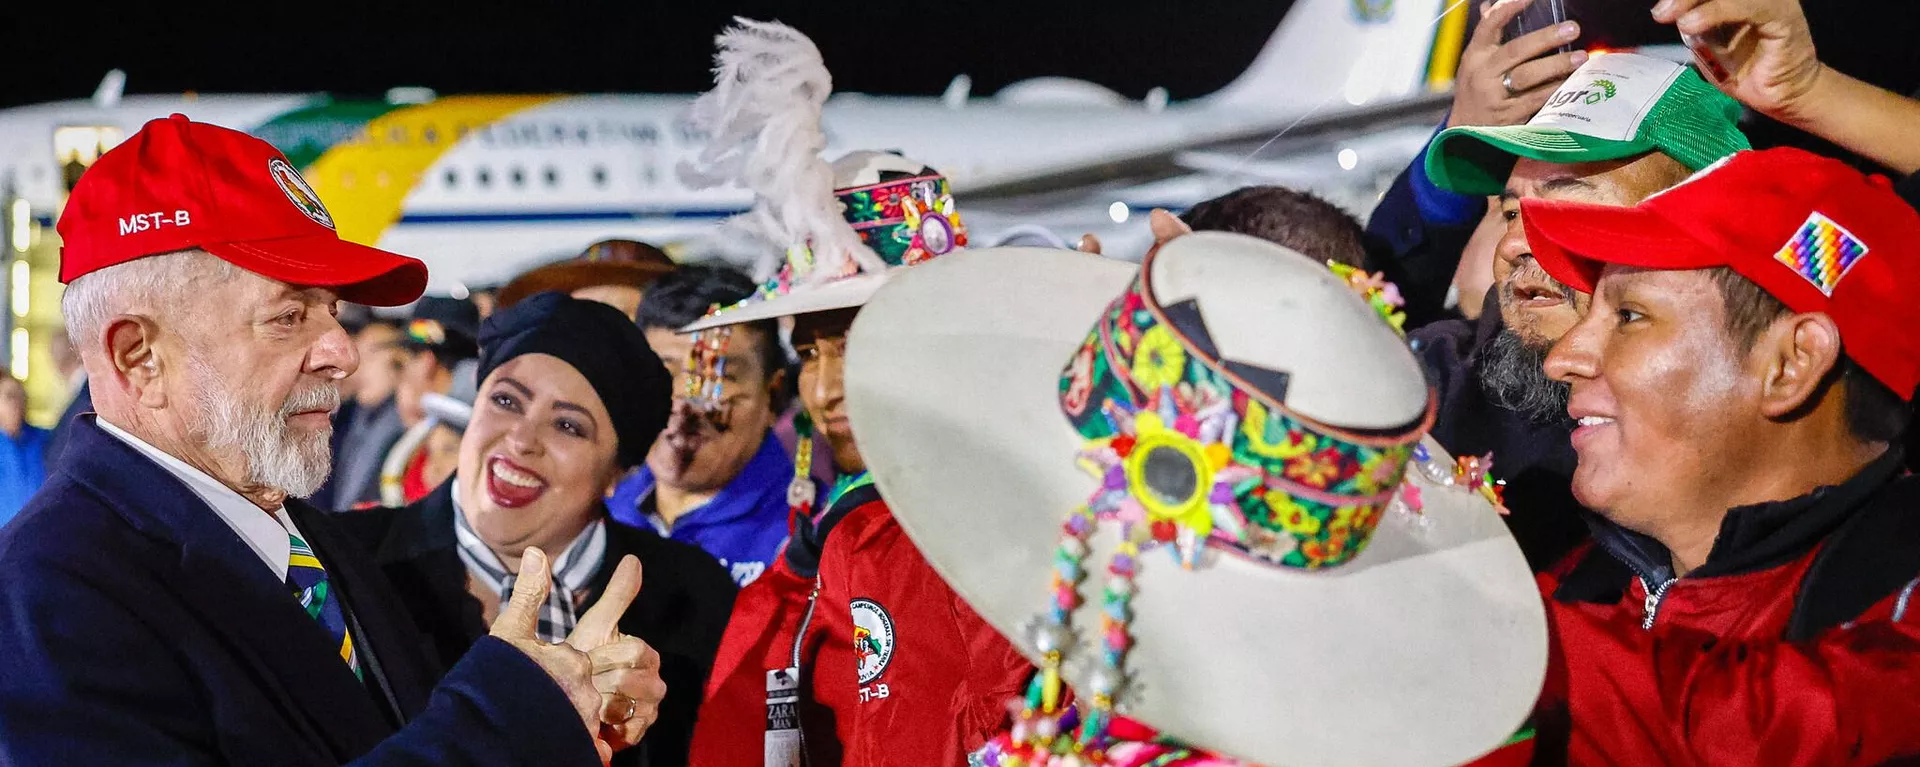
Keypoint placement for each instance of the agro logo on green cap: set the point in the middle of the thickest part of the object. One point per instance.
(1595, 92)
(1617, 105)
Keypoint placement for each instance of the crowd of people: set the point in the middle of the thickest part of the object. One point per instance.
(1587, 448)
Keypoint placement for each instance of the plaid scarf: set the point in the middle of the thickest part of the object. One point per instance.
(571, 571)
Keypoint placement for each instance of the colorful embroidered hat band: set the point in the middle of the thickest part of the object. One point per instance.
(1203, 450)
(907, 220)
(1194, 451)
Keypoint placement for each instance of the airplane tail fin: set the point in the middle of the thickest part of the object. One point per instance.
(1341, 53)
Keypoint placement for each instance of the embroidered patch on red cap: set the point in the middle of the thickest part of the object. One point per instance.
(298, 193)
(1821, 251)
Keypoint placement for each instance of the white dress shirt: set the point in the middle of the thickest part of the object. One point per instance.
(265, 533)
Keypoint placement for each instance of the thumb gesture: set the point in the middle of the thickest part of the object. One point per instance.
(520, 618)
(601, 623)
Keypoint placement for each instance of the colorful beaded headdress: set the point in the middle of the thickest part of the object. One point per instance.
(1195, 452)
(863, 214)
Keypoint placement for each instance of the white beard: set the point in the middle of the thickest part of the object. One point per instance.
(277, 455)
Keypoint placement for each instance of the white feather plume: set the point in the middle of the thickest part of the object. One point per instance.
(763, 119)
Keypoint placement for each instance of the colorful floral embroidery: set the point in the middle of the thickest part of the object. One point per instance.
(1165, 385)
(906, 221)
(1160, 362)
(1188, 456)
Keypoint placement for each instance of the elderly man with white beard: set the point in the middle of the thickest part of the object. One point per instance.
(167, 599)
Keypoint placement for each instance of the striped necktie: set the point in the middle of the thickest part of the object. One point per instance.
(310, 585)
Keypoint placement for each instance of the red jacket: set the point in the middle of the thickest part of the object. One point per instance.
(1792, 645)
(932, 679)
(734, 729)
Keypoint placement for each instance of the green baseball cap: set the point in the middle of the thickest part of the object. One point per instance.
(1616, 105)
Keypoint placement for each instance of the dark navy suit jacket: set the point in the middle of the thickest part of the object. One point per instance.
(136, 628)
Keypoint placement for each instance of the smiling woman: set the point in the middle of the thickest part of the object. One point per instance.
(570, 398)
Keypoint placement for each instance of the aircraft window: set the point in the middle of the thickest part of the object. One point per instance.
(452, 178)
(76, 147)
(397, 134)
(599, 175)
(553, 176)
(484, 177)
(519, 177)
(430, 135)
(651, 175)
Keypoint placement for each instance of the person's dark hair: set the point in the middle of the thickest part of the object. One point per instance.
(1290, 218)
(1874, 412)
(685, 294)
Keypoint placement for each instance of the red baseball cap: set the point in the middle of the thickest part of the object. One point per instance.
(1811, 231)
(179, 184)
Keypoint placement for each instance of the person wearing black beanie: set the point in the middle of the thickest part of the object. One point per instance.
(570, 397)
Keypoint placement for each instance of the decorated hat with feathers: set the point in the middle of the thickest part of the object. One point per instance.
(841, 225)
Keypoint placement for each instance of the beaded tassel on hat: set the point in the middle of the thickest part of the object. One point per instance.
(706, 372)
(801, 492)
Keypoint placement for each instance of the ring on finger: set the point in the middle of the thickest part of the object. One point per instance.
(632, 707)
(1506, 81)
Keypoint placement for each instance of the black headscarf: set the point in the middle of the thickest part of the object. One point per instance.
(601, 343)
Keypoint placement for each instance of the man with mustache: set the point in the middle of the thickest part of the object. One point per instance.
(168, 600)
(1623, 127)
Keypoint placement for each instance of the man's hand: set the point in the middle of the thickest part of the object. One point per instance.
(1506, 83)
(1781, 69)
(626, 671)
(1166, 226)
(576, 664)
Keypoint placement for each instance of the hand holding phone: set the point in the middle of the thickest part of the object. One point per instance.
(1504, 79)
(1757, 51)
(1540, 14)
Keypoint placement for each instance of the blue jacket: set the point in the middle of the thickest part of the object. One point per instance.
(137, 629)
(743, 526)
(1416, 235)
(23, 467)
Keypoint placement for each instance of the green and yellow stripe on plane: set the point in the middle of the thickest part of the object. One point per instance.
(364, 157)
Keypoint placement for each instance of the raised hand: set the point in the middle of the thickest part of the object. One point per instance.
(1778, 69)
(626, 672)
(1505, 83)
(569, 667)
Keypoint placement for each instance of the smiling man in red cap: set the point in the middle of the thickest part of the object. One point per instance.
(1741, 383)
(167, 598)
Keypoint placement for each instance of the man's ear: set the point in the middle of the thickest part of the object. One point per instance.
(1798, 352)
(778, 386)
(132, 356)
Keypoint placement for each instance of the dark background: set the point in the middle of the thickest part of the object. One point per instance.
(59, 49)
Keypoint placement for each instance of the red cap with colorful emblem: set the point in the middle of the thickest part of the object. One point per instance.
(179, 184)
(1813, 232)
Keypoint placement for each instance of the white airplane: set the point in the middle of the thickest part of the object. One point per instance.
(482, 187)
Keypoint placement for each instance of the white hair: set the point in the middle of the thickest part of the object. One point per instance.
(154, 285)
(170, 288)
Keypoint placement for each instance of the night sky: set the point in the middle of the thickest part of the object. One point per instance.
(56, 49)
(363, 47)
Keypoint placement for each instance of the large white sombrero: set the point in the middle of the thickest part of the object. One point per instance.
(1427, 648)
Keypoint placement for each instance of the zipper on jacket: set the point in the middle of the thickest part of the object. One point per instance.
(1654, 595)
(800, 635)
(799, 640)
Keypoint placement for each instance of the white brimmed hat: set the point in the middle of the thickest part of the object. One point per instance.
(1321, 623)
